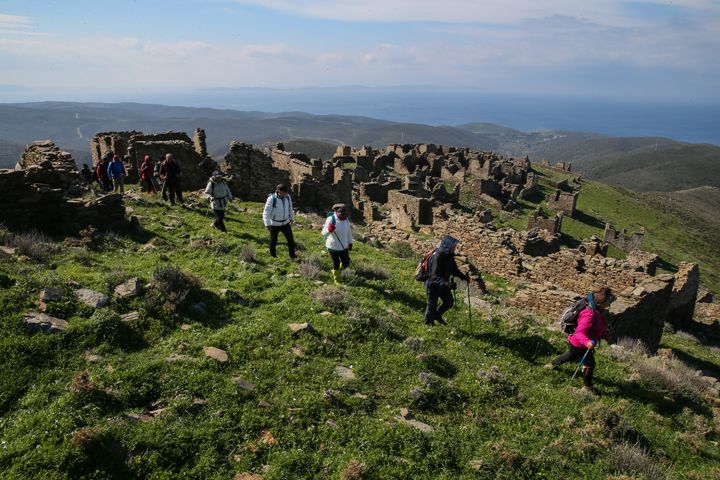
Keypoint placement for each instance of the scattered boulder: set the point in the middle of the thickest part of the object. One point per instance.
(41, 322)
(300, 327)
(128, 289)
(345, 373)
(130, 317)
(8, 251)
(91, 298)
(408, 418)
(298, 351)
(216, 353)
(51, 294)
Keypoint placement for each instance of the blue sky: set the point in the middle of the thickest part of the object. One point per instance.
(600, 48)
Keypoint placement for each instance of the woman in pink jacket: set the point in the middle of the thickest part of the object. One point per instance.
(591, 327)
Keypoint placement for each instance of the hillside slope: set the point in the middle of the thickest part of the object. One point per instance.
(142, 398)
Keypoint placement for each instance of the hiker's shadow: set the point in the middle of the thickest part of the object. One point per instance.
(528, 347)
(709, 368)
(411, 300)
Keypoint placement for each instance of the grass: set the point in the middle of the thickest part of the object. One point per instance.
(154, 406)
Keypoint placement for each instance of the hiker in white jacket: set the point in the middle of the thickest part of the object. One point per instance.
(278, 216)
(218, 192)
(338, 238)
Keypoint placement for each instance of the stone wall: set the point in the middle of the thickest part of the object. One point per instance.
(408, 211)
(541, 221)
(563, 202)
(40, 195)
(623, 240)
(132, 146)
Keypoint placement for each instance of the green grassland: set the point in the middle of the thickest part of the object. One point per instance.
(675, 233)
(496, 413)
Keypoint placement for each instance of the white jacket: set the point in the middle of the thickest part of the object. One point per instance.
(281, 213)
(341, 237)
(219, 194)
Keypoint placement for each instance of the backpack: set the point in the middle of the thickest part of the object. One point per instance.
(421, 271)
(569, 317)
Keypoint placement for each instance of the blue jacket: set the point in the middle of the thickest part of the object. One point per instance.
(116, 169)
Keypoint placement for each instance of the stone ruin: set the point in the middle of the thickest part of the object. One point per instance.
(565, 167)
(539, 220)
(626, 242)
(132, 146)
(564, 202)
(44, 192)
(551, 278)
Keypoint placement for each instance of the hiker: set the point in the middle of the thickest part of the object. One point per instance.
(338, 239)
(102, 174)
(278, 216)
(591, 328)
(146, 174)
(170, 174)
(439, 286)
(219, 195)
(157, 177)
(86, 173)
(116, 173)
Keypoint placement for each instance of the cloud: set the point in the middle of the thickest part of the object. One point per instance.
(612, 12)
(14, 21)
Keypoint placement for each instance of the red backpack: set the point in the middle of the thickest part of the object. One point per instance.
(421, 271)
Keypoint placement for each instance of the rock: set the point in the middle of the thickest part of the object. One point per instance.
(325, 314)
(51, 294)
(129, 317)
(138, 417)
(92, 358)
(345, 373)
(704, 296)
(92, 298)
(244, 384)
(298, 351)
(408, 418)
(130, 288)
(9, 251)
(216, 353)
(178, 357)
(247, 476)
(264, 404)
(40, 322)
(359, 396)
(300, 327)
(185, 327)
(293, 275)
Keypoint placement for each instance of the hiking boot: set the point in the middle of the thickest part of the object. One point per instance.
(551, 366)
(429, 322)
(441, 321)
(591, 389)
(336, 277)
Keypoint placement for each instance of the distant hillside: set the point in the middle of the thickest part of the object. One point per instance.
(9, 153)
(638, 163)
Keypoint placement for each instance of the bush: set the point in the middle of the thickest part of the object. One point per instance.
(372, 272)
(316, 260)
(32, 244)
(248, 255)
(674, 377)
(332, 298)
(308, 270)
(174, 283)
(401, 250)
(631, 459)
(610, 423)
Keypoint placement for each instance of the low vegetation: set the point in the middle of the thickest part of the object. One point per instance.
(199, 376)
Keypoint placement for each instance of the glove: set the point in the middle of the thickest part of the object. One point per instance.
(331, 228)
(591, 344)
(349, 247)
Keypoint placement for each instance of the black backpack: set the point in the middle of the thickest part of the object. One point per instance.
(421, 271)
(569, 317)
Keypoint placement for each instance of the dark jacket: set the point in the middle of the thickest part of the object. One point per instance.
(442, 264)
(171, 171)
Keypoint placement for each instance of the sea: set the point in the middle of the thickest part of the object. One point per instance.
(686, 120)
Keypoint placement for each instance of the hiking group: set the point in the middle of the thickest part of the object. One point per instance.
(584, 321)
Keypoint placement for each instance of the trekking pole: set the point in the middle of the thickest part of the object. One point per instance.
(457, 320)
(582, 361)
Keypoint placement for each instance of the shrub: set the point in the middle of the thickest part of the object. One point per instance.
(332, 298)
(308, 270)
(354, 471)
(372, 272)
(32, 244)
(401, 250)
(674, 377)
(174, 283)
(632, 459)
(248, 255)
(316, 260)
(609, 422)
(347, 276)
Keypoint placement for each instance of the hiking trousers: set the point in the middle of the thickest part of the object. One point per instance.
(287, 232)
(575, 353)
(337, 258)
(435, 293)
(219, 222)
(171, 188)
(119, 183)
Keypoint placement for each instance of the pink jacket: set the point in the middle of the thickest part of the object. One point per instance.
(588, 328)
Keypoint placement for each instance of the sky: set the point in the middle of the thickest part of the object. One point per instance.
(590, 48)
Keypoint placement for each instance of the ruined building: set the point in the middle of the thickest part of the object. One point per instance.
(44, 192)
(132, 146)
(623, 240)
